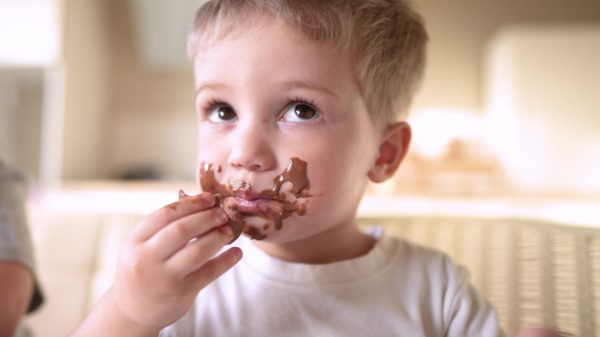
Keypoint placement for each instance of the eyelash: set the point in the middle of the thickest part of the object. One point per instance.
(215, 102)
(301, 100)
(211, 104)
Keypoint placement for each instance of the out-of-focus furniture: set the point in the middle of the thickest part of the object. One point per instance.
(534, 272)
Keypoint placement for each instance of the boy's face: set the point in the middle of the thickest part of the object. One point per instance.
(270, 94)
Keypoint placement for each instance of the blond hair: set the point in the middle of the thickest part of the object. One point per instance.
(387, 39)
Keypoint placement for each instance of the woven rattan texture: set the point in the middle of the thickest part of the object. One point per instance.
(535, 273)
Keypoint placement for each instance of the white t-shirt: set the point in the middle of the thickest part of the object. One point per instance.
(397, 289)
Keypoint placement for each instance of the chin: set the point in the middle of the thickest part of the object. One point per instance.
(257, 228)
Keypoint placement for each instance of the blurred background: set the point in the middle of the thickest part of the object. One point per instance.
(97, 108)
(102, 90)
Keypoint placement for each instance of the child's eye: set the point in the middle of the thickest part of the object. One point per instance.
(222, 114)
(300, 112)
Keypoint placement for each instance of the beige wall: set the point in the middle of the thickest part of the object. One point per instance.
(544, 108)
(459, 30)
(153, 109)
(87, 103)
(134, 88)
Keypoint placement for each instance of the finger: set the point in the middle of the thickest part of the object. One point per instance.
(155, 221)
(215, 267)
(178, 234)
(194, 255)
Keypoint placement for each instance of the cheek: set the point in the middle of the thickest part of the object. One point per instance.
(338, 178)
(210, 147)
(338, 173)
(341, 161)
(212, 154)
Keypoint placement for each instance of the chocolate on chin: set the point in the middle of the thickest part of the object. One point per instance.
(295, 174)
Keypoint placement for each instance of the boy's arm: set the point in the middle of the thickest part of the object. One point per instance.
(16, 285)
(163, 264)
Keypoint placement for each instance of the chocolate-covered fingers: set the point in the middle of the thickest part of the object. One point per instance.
(155, 221)
(195, 255)
(177, 235)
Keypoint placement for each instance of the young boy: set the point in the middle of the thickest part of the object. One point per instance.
(307, 82)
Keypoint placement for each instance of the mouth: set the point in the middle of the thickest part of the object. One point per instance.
(242, 202)
(253, 195)
(253, 205)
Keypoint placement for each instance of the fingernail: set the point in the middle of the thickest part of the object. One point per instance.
(237, 254)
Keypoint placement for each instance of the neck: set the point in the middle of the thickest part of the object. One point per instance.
(336, 244)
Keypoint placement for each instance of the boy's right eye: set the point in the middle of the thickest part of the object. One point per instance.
(222, 114)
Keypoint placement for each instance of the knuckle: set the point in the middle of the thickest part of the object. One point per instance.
(180, 229)
(205, 198)
(132, 261)
(136, 267)
(211, 272)
(217, 216)
(163, 213)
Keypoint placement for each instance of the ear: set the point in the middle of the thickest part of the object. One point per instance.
(392, 150)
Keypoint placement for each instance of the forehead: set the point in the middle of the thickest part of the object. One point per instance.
(274, 51)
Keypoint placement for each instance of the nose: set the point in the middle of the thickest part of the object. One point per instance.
(251, 150)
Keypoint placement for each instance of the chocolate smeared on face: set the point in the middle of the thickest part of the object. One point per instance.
(295, 174)
(209, 182)
(239, 185)
(254, 233)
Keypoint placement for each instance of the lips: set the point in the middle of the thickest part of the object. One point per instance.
(256, 206)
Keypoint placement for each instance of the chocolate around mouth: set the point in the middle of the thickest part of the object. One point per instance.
(295, 173)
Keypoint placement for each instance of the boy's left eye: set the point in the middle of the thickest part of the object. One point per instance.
(300, 112)
(222, 114)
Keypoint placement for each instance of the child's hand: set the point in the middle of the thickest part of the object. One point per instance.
(160, 270)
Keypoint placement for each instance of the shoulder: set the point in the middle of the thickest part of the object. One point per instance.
(445, 288)
(12, 190)
(430, 268)
(14, 231)
(428, 261)
(8, 174)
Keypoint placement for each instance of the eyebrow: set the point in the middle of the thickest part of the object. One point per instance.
(309, 86)
(211, 86)
(288, 85)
